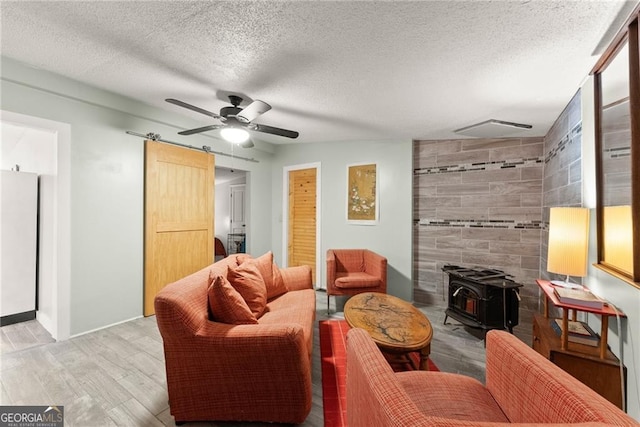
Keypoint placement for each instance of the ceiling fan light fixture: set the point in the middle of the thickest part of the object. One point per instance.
(234, 135)
(236, 121)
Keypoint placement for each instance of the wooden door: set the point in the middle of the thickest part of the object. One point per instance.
(301, 246)
(179, 206)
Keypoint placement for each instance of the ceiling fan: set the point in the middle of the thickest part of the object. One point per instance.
(236, 121)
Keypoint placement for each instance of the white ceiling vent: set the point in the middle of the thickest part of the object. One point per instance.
(494, 129)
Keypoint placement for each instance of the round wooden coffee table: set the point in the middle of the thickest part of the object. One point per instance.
(395, 325)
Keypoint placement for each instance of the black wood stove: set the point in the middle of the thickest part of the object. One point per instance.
(482, 298)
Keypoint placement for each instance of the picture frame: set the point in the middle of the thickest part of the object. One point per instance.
(363, 199)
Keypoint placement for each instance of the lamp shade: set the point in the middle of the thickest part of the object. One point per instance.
(568, 241)
(618, 238)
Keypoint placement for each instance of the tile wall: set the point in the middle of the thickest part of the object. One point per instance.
(562, 182)
(485, 202)
(477, 202)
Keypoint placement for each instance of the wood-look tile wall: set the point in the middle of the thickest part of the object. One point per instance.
(477, 202)
(485, 202)
(562, 183)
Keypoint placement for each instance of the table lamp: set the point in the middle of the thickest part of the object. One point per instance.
(568, 244)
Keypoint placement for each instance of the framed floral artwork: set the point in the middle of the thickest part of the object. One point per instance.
(362, 198)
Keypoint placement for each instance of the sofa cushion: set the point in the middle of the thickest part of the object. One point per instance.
(356, 280)
(247, 280)
(293, 307)
(451, 396)
(270, 275)
(227, 305)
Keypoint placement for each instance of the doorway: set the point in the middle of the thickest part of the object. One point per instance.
(43, 146)
(301, 221)
(231, 214)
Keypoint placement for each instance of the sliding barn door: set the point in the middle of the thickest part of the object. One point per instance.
(179, 206)
(301, 247)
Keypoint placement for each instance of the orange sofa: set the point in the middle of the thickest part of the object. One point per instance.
(238, 372)
(522, 387)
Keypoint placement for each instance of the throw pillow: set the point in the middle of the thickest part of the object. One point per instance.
(227, 305)
(278, 287)
(247, 280)
(240, 258)
(270, 275)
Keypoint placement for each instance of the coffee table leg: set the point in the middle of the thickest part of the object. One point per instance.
(411, 362)
(424, 358)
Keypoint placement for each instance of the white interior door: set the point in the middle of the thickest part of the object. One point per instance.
(237, 214)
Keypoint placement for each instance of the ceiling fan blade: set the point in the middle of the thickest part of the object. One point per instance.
(252, 111)
(275, 131)
(193, 108)
(198, 130)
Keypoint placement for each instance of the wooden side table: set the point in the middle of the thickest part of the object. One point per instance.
(605, 312)
(394, 324)
(596, 367)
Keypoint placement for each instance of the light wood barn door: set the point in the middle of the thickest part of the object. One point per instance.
(179, 206)
(301, 247)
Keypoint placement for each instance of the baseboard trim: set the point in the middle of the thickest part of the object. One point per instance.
(104, 327)
(17, 318)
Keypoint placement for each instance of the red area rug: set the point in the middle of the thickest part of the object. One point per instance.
(333, 354)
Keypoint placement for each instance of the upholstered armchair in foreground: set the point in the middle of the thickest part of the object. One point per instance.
(522, 388)
(353, 271)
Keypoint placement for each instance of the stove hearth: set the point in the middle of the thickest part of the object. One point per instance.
(482, 298)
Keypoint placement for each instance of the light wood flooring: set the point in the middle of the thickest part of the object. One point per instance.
(21, 336)
(115, 376)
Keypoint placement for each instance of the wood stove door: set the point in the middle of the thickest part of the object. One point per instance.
(464, 300)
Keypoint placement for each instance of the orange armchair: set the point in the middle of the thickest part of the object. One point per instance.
(353, 271)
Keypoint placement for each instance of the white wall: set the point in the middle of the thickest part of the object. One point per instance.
(616, 291)
(391, 237)
(106, 167)
(34, 150)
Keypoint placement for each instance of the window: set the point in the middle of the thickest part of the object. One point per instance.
(617, 89)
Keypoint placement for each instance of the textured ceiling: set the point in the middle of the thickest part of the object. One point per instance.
(334, 71)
